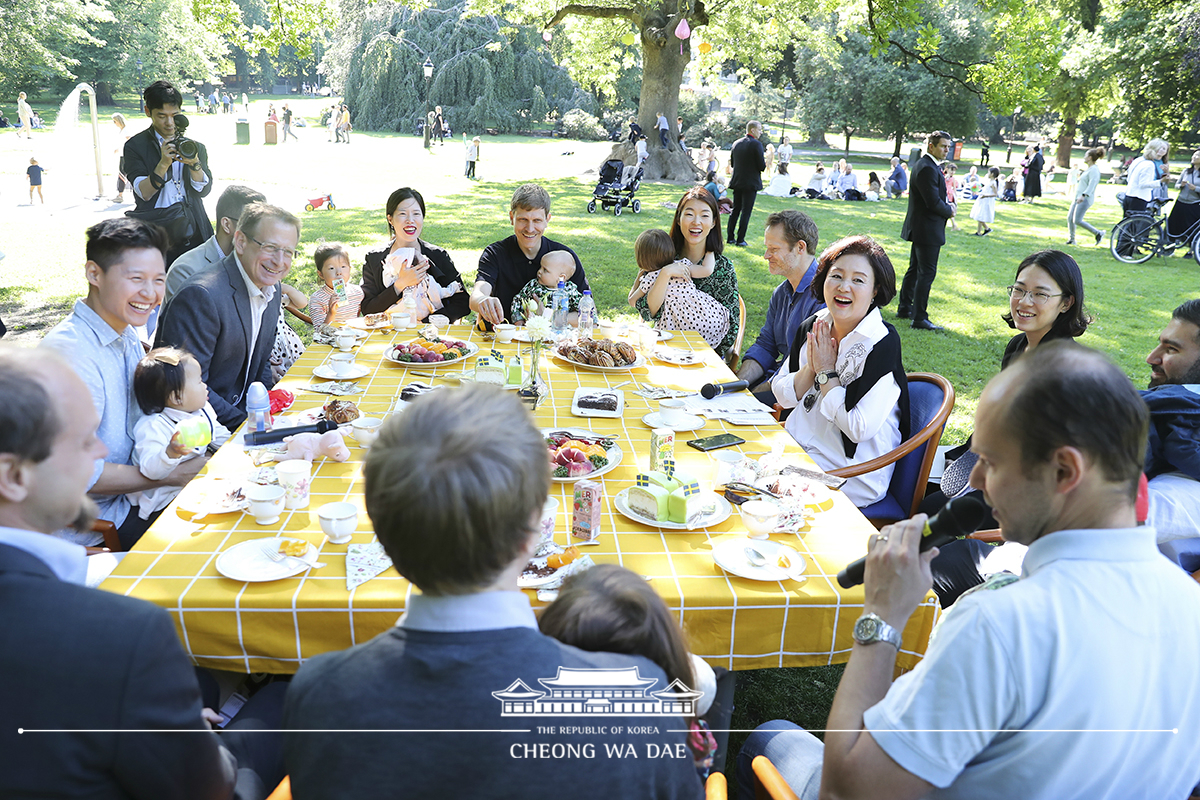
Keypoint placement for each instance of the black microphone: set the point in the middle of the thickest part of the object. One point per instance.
(710, 390)
(960, 516)
(259, 438)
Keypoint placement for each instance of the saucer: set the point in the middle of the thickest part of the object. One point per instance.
(691, 422)
(325, 371)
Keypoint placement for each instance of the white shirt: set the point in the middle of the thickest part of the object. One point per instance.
(172, 189)
(784, 154)
(780, 186)
(817, 181)
(1143, 179)
(481, 611)
(642, 152)
(874, 423)
(151, 435)
(66, 560)
(259, 299)
(1092, 638)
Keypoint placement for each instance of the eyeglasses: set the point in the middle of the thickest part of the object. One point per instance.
(272, 250)
(1038, 298)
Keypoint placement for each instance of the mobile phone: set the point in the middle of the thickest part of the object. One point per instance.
(716, 442)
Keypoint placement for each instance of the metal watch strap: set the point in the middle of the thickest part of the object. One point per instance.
(871, 628)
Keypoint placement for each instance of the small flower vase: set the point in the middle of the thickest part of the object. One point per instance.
(533, 389)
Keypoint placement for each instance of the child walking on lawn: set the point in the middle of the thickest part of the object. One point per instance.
(35, 180)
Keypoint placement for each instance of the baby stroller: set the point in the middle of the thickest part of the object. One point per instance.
(612, 192)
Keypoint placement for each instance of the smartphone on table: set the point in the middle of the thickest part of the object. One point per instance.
(716, 442)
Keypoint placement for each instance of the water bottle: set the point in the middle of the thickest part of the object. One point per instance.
(258, 408)
(587, 315)
(558, 301)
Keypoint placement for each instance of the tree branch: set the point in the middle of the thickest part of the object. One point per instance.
(925, 63)
(600, 12)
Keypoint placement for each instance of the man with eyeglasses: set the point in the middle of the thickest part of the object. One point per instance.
(226, 314)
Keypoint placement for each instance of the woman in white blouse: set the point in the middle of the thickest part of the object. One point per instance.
(845, 378)
(1144, 177)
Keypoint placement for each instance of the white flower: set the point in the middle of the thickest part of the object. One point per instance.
(539, 329)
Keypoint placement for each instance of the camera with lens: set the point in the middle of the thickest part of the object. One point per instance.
(183, 145)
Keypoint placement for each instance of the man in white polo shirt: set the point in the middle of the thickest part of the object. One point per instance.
(1064, 683)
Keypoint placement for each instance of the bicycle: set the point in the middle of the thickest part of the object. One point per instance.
(1142, 235)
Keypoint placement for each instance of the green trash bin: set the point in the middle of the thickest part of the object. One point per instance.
(243, 131)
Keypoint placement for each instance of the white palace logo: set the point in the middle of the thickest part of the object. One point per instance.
(597, 692)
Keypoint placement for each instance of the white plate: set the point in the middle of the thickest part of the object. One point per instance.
(693, 422)
(325, 371)
(211, 496)
(678, 356)
(248, 561)
(472, 349)
(361, 324)
(640, 361)
(596, 412)
(664, 336)
(731, 556)
(531, 582)
(724, 509)
(614, 454)
(818, 498)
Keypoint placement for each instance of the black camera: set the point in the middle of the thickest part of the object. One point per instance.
(183, 145)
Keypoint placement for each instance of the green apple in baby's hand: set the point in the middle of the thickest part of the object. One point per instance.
(193, 432)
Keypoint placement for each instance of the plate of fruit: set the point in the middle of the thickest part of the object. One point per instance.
(430, 351)
(577, 453)
(600, 355)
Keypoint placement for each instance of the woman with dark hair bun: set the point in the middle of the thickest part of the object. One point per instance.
(845, 378)
(1045, 302)
(386, 274)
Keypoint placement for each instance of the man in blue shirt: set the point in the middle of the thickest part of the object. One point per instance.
(897, 182)
(791, 241)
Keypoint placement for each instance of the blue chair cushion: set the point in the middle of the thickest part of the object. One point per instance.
(924, 399)
(887, 508)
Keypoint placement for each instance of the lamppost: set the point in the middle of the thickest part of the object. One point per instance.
(1012, 134)
(428, 69)
(787, 93)
(141, 98)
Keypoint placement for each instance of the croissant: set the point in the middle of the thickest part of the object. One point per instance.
(603, 359)
(627, 353)
(340, 411)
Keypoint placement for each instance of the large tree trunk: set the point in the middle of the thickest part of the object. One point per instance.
(664, 58)
(816, 139)
(1066, 140)
(899, 136)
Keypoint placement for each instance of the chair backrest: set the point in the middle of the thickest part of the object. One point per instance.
(930, 401)
(735, 350)
(768, 783)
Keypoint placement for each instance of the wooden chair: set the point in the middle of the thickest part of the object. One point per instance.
(768, 783)
(112, 542)
(931, 399)
(716, 787)
(734, 354)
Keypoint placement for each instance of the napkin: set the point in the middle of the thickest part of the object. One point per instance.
(363, 562)
(739, 409)
(333, 387)
(548, 592)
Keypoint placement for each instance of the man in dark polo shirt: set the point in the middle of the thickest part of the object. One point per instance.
(507, 265)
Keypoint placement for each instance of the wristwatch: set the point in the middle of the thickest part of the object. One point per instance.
(871, 628)
(824, 378)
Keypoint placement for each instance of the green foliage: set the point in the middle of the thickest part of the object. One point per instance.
(578, 124)
(37, 37)
(487, 73)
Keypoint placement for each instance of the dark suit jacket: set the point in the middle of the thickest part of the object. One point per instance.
(142, 153)
(748, 159)
(927, 206)
(78, 658)
(210, 317)
(378, 298)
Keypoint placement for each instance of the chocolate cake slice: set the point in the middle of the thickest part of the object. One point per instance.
(604, 401)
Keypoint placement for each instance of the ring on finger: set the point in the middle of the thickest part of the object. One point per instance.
(882, 537)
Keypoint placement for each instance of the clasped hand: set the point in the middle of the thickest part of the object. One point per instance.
(822, 347)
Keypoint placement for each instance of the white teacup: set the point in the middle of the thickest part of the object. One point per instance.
(338, 521)
(549, 517)
(647, 339)
(344, 340)
(760, 517)
(295, 477)
(342, 364)
(266, 503)
(401, 320)
(726, 459)
(505, 332)
(440, 322)
(672, 412)
(365, 430)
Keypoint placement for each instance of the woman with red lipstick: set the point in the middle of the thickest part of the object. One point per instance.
(698, 245)
(845, 378)
(386, 273)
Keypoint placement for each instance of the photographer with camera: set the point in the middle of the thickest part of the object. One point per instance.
(169, 172)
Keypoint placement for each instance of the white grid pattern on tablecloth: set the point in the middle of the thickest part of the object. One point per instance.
(275, 626)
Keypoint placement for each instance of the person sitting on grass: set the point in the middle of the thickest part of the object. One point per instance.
(169, 391)
(535, 296)
(612, 609)
(684, 307)
(338, 300)
(468, 638)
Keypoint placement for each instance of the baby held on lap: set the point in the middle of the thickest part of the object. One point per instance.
(685, 307)
(557, 265)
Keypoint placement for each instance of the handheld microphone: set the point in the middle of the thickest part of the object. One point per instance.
(960, 516)
(710, 390)
(259, 438)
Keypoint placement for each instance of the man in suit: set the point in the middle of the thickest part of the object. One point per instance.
(81, 664)
(925, 227)
(747, 160)
(161, 177)
(478, 463)
(226, 314)
(230, 205)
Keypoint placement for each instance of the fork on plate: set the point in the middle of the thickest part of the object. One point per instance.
(277, 556)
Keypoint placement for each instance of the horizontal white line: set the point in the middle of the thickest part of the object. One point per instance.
(270, 730)
(948, 730)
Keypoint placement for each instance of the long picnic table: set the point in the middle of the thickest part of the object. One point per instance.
(729, 621)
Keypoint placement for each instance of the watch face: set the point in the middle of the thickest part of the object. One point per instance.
(866, 629)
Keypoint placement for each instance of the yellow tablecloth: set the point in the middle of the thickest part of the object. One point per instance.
(730, 621)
